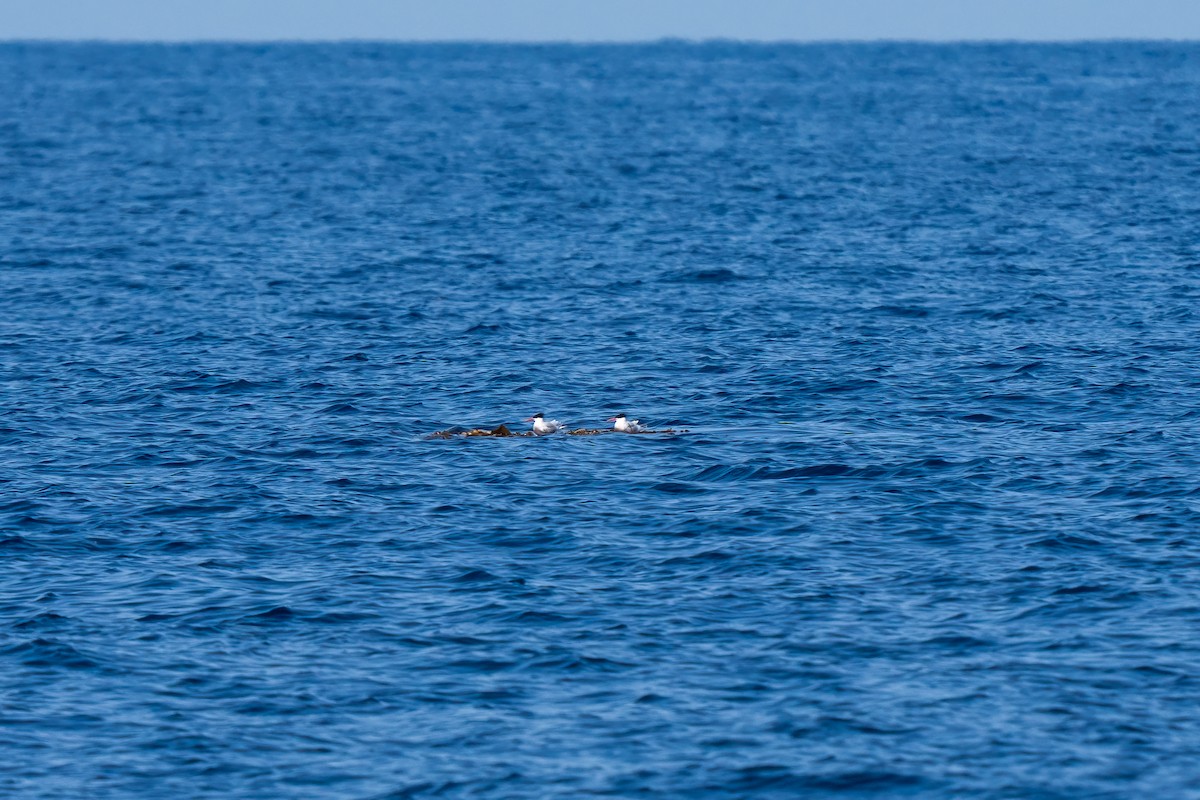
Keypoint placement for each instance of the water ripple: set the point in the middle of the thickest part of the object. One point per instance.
(925, 312)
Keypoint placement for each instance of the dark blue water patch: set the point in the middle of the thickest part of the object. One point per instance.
(718, 275)
(925, 313)
(42, 654)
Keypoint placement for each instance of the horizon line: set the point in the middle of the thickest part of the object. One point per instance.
(682, 40)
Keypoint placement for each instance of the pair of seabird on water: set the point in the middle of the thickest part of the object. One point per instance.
(543, 426)
(620, 423)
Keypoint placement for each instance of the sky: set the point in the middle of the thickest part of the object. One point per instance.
(599, 20)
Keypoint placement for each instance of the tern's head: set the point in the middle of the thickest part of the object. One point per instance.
(617, 418)
(535, 417)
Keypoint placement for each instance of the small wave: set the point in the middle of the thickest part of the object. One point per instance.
(339, 408)
(912, 312)
(718, 275)
(814, 471)
(50, 653)
(676, 487)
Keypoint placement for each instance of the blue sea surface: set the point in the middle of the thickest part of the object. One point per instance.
(928, 314)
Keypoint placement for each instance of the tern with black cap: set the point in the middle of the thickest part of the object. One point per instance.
(542, 425)
(620, 423)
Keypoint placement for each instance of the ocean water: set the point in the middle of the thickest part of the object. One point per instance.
(928, 313)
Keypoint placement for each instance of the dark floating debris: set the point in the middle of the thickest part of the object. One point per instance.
(455, 432)
(499, 430)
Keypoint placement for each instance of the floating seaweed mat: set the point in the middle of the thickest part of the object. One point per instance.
(502, 430)
(452, 433)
